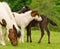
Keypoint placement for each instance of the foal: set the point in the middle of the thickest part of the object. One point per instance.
(24, 19)
(7, 21)
(42, 25)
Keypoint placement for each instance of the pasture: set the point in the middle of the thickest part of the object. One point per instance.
(55, 42)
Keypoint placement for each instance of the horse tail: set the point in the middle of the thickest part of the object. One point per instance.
(51, 22)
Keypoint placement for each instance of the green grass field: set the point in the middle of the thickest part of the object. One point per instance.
(55, 42)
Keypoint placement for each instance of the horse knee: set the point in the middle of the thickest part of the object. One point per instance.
(28, 34)
(42, 34)
(48, 33)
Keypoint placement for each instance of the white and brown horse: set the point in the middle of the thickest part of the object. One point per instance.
(24, 19)
(43, 25)
(7, 20)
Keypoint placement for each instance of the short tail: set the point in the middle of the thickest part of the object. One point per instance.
(51, 22)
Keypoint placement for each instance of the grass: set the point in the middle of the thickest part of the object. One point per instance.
(55, 42)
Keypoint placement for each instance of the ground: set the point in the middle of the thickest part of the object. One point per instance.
(55, 42)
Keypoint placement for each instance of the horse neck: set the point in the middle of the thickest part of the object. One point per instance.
(23, 16)
(7, 8)
(10, 24)
(5, 14)
(28, 15)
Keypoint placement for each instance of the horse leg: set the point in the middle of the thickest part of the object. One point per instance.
(48, 33)
(30, 38)
(42, 34)
(29, 34)
(2, 41)
(27, 38)
(5, 31)
(22, 35)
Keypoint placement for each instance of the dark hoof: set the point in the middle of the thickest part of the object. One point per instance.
(48, 42)
(39, 42)
(30, 41)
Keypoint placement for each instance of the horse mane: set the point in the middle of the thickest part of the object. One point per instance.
(24, 9)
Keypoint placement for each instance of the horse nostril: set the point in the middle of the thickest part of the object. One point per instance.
(18, 34)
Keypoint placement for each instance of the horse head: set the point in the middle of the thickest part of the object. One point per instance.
(24, 9)
(36, 15)
(33, 13)
(13, 36)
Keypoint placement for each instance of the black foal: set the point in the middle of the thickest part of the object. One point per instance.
(43, 25)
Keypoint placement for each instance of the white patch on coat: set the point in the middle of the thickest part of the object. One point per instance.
(7, 8)
(23, 20)
(6, 14)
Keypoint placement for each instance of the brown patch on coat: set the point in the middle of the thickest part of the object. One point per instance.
(34, 13)
(13, 36)
(3, 22)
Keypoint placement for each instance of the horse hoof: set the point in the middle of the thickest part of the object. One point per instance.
(3, 43)
(30, 41)
(48, 42)
(38, 41)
